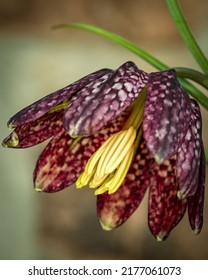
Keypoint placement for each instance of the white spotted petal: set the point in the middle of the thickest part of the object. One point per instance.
(44, 105)
(103, 100)
(166, 115)
(189, 154)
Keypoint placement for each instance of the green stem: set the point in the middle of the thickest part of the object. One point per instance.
(193, 75)
(187, 35)
(119, 40)
(195, 93)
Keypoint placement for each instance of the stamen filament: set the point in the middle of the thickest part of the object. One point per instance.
(112, 145)
(83, 179)
(95, 157)
(114, 160)
(97, 181)
(114, 183)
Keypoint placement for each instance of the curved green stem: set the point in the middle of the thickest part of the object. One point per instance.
(119, 40)
(193, 75)
(187, 35)
(197, 94)
(194, 92)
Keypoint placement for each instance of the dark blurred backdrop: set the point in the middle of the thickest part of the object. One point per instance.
(36, 60)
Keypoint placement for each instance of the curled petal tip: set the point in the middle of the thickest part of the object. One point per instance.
(37, 188)
(158, 159)
(159, 238)
(73, 132)
(10, 126)
(105, 227)
(4, 144)
(196, 231)
(179, 194)
(11, 141)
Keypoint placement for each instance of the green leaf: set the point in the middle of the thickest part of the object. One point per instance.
(187, 35)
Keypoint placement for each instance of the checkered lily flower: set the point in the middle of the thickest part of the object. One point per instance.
(121, 132)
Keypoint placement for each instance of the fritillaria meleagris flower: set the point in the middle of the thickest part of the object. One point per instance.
(121, 132)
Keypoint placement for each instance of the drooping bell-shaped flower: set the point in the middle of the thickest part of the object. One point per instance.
(121, 132)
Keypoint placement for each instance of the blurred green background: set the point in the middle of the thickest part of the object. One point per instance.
(36, 61)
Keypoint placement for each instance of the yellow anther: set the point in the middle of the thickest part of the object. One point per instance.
(100, 190)
(119, 154)
(97, 181)
(105, 186)
(96, 156)
(121, 171)
(109, 150)
(113, 183)
(83, 179)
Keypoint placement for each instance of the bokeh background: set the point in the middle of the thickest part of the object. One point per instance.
(36, 60)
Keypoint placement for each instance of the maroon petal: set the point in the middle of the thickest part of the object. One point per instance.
(64, 158)
(188, 156)
(42, 106)
(196, 202)
(165, 208)
(35, 132)
(166, 114)
(114, 209)
(103, 100)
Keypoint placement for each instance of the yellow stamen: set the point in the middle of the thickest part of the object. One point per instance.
(115, 156)
(83, 179)
(105, 186)
(97, 181)
(109, 165)
(116, 151)
(115, 140)
(96, 156)
(121, 172)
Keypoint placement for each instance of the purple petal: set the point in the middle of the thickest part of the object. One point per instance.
(35, 132)
(114, 209)
(58, 165)
(189, 153)
(103, 100)
(42, 106)
(165, 208)
(166, 114)
(62, 162)
(196, 202)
